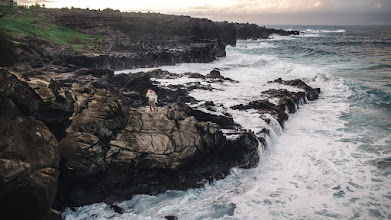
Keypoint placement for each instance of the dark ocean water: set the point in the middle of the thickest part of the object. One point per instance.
(362, 53)
(361, 56)
(333, 158)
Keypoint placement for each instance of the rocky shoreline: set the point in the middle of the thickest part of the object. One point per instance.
(106, 145)
(75, 133)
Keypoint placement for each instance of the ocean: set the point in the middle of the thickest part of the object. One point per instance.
(332, 160)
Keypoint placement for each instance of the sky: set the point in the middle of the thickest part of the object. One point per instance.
(262, 12)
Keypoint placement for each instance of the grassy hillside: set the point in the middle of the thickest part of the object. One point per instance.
(22, 21)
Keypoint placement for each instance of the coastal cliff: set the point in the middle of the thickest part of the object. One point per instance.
(74, 133)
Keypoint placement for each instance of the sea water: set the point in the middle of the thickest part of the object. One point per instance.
(332, 160)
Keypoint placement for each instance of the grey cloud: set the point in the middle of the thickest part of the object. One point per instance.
(330, 6)
(199, 8)
(300, 18)
(329, 12)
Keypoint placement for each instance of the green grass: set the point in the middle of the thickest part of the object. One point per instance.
(28, 24)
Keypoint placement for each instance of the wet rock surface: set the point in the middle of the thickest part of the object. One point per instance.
(113, 150)
(287, 101)
(111, 146)
(311, 93)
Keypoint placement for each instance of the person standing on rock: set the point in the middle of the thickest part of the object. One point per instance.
(152, 99)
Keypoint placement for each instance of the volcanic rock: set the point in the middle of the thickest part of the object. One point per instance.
(28, 164)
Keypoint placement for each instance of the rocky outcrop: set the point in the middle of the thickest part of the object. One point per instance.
(29, 157)
(40, 97)
(203, 52)
(110, 145)
(130, 40)
(311, 93)
(113, 151)
(288, 101)
(137, 31)
(148, 29)
(216, 75)
(253, 31)
(46, 55)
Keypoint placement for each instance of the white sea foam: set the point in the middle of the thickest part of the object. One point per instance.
(313, 169)
(259, 44)
(325, 31)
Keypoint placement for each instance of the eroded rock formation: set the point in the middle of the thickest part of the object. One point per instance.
(110, 145)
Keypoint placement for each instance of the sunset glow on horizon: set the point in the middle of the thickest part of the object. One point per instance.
(258, 11)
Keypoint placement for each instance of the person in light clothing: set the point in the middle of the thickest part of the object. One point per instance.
(152, 99)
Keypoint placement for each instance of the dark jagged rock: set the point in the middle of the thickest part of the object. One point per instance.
(215, 74)
(38, 53)
(242, 151)
(191, 86)
(223, 121)
(195, 75)
(197, 85)
(192, 53)
(117, 209)
(161, 74)
(209, 105)
(266, 107)
(22, 95)
(41, 98)
(287, 100)
(311, 93)
(253, 31)
(171, 217)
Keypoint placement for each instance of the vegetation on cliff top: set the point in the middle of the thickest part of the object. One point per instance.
(23, 21)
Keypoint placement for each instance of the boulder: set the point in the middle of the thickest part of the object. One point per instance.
(40, 97)
(112, 151)
(311, 93)
(216, 76)
(29, 162)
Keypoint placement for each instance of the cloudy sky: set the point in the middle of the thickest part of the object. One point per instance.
(262, 12)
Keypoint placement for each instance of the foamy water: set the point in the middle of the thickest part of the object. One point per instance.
(322, 165)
